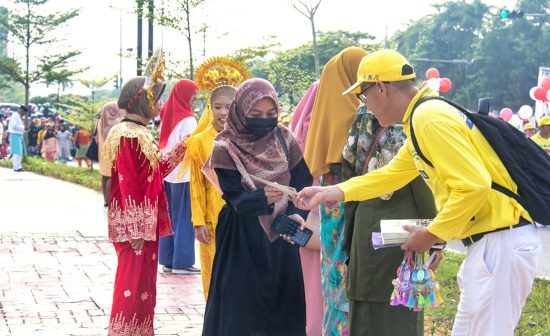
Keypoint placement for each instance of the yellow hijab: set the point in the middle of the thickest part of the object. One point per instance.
(332, 113)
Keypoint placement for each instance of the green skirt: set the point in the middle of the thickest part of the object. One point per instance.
(381, 319)
(81, 151)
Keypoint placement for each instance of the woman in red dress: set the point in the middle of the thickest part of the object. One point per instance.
(138, 210)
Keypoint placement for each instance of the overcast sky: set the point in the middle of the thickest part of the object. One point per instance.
(233, 24)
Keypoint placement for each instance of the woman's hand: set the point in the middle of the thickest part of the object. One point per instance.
(298, 219)
(137, 244)
(273, 195)
(202, 234)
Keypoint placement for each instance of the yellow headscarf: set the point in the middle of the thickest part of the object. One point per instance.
(332, 113)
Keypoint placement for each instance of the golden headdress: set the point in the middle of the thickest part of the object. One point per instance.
(220, 71)
(154, 73)
(214, 73)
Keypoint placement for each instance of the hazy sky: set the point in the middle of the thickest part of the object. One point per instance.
(233, 24)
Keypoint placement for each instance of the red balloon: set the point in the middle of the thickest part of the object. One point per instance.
(432, 73)
(423, 84)
(546, 83)
(540, 93)
(445, 85)
(506, 113)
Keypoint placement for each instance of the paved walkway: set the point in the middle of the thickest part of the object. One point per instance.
(57, 266)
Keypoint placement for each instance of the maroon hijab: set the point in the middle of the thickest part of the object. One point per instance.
(236, 148)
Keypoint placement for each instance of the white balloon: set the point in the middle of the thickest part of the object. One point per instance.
(532, 93)
(516, 121)
(525, 112)
(433, 83)
(548, 95)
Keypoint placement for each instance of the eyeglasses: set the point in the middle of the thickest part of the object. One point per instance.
(361, 95)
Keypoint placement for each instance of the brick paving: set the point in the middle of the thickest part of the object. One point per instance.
(61, 284)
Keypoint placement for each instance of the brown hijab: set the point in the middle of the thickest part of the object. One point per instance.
(133, 99)
(236, 148)
(109, 117)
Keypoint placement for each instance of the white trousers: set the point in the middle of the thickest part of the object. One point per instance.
(16, 161)
(495, 279)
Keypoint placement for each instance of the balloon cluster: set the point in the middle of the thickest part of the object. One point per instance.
(434, 82)
(541, 92)
(415, 286)
(524, 113)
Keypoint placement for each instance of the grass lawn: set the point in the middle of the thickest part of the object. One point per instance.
(535, 319)
(81, 176)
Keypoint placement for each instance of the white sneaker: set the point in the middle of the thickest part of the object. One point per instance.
(166, 269)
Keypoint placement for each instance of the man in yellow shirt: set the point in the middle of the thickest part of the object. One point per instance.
(529, 130)
(503, 246)
(542, 138)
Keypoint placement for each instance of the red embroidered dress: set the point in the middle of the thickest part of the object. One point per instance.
(138, 209)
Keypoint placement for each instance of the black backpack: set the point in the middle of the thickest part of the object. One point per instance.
(527, 163)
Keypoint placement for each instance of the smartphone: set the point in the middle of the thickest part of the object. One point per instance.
(284, 225)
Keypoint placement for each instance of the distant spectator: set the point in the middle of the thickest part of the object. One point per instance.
(529, 130)
(32, 138)
(50, 145)
(65, 143)
(2, 149)
(82, 140)
(17, 129)
(542, 138)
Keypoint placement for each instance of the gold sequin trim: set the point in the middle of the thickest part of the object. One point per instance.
(133, 221)
(131, 130)
(119, 327)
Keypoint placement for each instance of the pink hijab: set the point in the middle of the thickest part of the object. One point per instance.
(302, 115)
(235, 148)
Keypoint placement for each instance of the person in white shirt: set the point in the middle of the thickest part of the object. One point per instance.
(177, 252)
(16, 128)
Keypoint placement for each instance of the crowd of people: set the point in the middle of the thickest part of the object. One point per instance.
(347, 153)
(50, 138)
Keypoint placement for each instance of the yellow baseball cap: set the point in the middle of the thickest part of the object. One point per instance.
(528, 126)
(544, 121)
(382, 66)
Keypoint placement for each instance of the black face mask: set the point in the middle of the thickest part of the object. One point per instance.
(260, 127)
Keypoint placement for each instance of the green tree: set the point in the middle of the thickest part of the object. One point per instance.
(29, 27)
(508, 56)
(450, 34)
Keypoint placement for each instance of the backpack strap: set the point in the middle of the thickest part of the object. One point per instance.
(494, 185)
(283, 143)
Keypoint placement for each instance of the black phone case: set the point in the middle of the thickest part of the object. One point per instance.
(284, 225)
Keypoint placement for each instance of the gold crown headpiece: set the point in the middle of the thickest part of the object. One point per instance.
(220, 71)
(154, 73)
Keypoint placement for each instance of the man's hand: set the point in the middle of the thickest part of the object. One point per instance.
(137, 244)
(202, 234)
(273, 195)
(420, 239)
(311, 197)
(298, 219)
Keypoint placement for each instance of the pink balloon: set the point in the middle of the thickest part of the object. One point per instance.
(432, 73)
(545, 83)
(445, 85)
(540, 93)
(491, 114)
(423, 84)
(506, 114)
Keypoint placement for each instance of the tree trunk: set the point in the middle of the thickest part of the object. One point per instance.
(151, 18)
(191, 69)
(315, 49)
(139, 36)
(27, 56)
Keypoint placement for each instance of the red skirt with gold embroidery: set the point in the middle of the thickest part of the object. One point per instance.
(135, 290)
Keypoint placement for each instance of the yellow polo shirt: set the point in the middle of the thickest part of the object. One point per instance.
(464, 166)
(542, 142)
